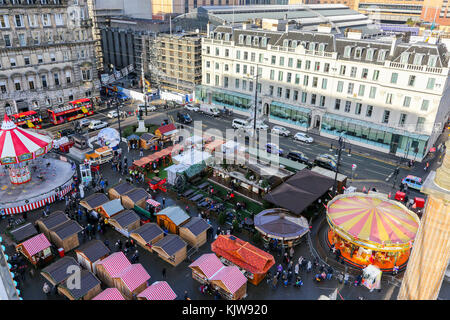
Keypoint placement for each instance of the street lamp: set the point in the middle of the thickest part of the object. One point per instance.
(341, 145)
(256, 77)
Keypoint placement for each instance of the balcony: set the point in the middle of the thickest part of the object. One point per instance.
(421, 68)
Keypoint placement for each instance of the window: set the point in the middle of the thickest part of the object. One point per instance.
(40, 59)
(317, 66)
(324, 83)
(411, 80)
(294, 44)
(216, 83)
(418, 57)
(308, 65)
(314, 82)
(312, 46)
(56, 78)
(46, 19)
(404, 57)
(236, 83)
(225, 82)
(353, 72)
(44, 81)
(245, 55)
(261, 57)
(226, 67)
(7, 39)
(290, 62)
(407, 101)
(322, 101)
(322, 47)
(430, 83)
(244, 84)
(369, 54)
(389, 98)
(264, 41)
(68, 77)
(402, 119)
(425, 105)
(17, 85)
(22, 41)
(18, 20)
(365, 73)
(287, 94)
(208, 64)
(227, 52)
(358, 53)
(297, 78)
(381, 55)
(4, 21)
(86, 74)
(12, 61)
(376, 74)
(348, 106)
(241, 39)
(59, 19)
(420, 123)
(279, 92)
(217, 66)
(281, 61)
(252, 56)
(305, 80)
(299, 63)
(394, 77)
(250, 86)
(373, 92)
(326, 67)
(295, 96)
(52, 57)
(350, 88)
(244, 69)
(304, 97)
(342, 71)
(3, 87)
(369, 111)
(273, 59)
(432, 60)
(217, 51)
(26, 60)
(340, 86)
(271, 90)
(337, 104)
(347, 51)
(280, 75)
(386, 115)
(248, 40)
(289, 76)
(238, 68)
(361, 90)
(208, 78)
(272, 75)
(313, 99)
(256, 41)
(358, 108)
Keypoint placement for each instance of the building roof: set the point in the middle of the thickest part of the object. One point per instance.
(196, 225)
(57, 271)
(243, 254)
(109, 294)
(174, 213)
(115, 264)
(36, 244)
(208, 263)
(137, 194)
(281, 224)
(171, 244)
(159, 290)
(54, 219)
(231, 277)
(167, 129)
(123, 188)
(95, 200)
(147, 136)
(67, 229)
(148, 231)
(24, 232)
(112, 207)
(94, 250)
(134, 276)
(87, 282)
(126, 218)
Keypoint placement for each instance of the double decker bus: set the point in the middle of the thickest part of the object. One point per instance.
(27, 119)
(73, 110)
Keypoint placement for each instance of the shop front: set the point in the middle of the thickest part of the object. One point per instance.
(225, 98)
(294, 115)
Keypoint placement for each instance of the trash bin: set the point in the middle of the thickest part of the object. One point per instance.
(61, 252)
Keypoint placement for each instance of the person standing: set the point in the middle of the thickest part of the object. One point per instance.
(291, 252)
(164, 202)
(274, 282)
(186, 296)
(141, 152)
(164, 273)
(296, 269)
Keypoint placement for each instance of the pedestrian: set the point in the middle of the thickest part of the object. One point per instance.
(164, 273)
(280, 268)
(290, 265)
(286, 258)
(395, 270)
(164, 202)
(274, 282)
(330, 273)
(46, 288)
(141, 152)
(291, 252)
(309, 266)
(296, 269)
(186, 296)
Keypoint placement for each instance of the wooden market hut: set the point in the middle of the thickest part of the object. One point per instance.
(89, 287)
(166, 132)
(89, 254)
(171, 218)
(147, 235)
(159, 290)
(119, 190)
(94, 201)
(230, 282)
(148, 141)
(125, 222)
(171, 249)
(194, 231)
(109, 294)
(56, 273)
(132, 281)
(110, 208)
(133, 140)
(53, 220)
(205, 267)
(135, 197)
(24, 232)
(254, 261)
(66, 235)
(37, 249)
(111, 267)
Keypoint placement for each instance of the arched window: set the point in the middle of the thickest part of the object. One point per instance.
(347, 51)
(241, 39)
(285, 43)
(322, 47)
(227, 37)
(312, 46)
(294, 44)
(264, 42)
(219, 36)
(211, 35)
(256, 41)
(303, 43)
(248, 40)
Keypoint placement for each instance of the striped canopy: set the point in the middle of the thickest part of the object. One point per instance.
(372, 220)
(18, 145)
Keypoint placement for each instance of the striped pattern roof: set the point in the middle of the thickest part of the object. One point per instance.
(208, 263)
(159, 290)
(115, 264)
(36, 244)
(231, 277)
(109, 294)
(134, 276)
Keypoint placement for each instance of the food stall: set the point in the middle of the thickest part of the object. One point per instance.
(125, 221)
(171, 218)
(109, 294)
(111, 267)
(100, 156)
(56, 273)
(361, 227)
(230, 283)
(205, 267)
(166, 133)
(153, 206)
(371, 278)
(89, 254)
(132, 280)
(24, 232)
(119, 190)
(214, 146)
(135, 197)
(37, 250)
(147, 235)
(159, 290)
(89, 287)
(133, 141)
(66, 235)
(194, 231)
(86, 173)
(171, 249)
(110, 208)
(148, 141)
(53, 220)
(94, 201)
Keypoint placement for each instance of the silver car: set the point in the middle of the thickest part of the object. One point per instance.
(280, 131)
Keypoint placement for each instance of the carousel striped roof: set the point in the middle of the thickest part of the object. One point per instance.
(15, 141)
(231, 277)
(115, 264)
(159, 290)
(208, 263)
(109, 294)
(36, 244)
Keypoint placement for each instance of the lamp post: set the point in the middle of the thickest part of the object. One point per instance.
(341, 145)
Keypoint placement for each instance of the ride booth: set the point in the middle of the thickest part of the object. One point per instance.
(65, 236)
(159, 290)
(194, 232)
(37, 250)
(148, 141)
(125, 221)
(89, 254)
(86, 173)
(89, 287)
(371, 278)
(147, 235)
(171, 249)
(52, 221)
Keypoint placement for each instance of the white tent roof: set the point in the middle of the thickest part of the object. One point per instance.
(191, 157)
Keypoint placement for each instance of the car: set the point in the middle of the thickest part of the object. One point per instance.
(328, 156)
(259, 125)
(413, 182)
(84, 122)
(238, 123)
(184, 117)
(300, 136)
(192, 107)
(281, 131)
(97, 124)
(273, 148)
(149, 108)
(325, 163)
(298, 156)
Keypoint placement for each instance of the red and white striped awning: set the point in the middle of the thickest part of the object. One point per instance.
(109, 294)
(159, 290)
(153, 203)
(134, 276)
(231, 277)
(16, 142)
(30, 206)
(64, 191)
(115, 264)
(36, 244)
(208, 263)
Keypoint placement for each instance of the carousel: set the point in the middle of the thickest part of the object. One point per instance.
(22, 158)
(371, 230)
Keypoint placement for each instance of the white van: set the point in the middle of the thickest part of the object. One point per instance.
(238, 123)
(209, 110)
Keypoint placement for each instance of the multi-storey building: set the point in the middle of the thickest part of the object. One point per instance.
(46, 54)
(388, 96)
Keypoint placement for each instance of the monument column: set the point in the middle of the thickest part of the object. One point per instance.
(431, 251)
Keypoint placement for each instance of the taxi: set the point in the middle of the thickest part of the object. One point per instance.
(413, 182)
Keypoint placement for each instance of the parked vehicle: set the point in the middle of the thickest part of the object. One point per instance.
(113, 114)
(298, 156)
(192, 107)
(84, 122)
(300, 136)
(97, 124)
(209, 110)
(184, 117)
(413, 182)
(282, 131)
(328, 156)
(260, 125)
(149, 108)
(273, 148)
(238, 123)
(325, 163)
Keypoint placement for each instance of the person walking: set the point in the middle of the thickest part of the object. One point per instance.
(141, 152)
(291, 252)
(164, 202)
(296, 269)
(46, 289)
(274, 282)
(164, 273)
(186, 296)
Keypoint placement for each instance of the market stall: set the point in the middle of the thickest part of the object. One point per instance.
(254, 262)
(174, 171)
(171, 218)
(135, 197)
(371, 278)
(37, 250)
(132, 280)
(171, 249)
(53, 220)
(153, 206)
(159, 290)
(57, 272)
(89, 254)
(110, 208)
(194, 231)
(214, 146)
(166, 133)
(119, 190)
(112, 267)
(89, 287)
(230, 283)
(147, 235)
(94, 201)
(24, 232)
(205, 267)
(125, 221)
(133, 141)
(370, 229)
(66, 235)
(148, 141)
(109, 294)
(193, 156)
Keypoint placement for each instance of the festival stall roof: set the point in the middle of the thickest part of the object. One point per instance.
(126, 220)
(89, 287)
(232, 279)
(90, 253)
(166, 130)
(214, 145)
(94, 201)
(341, 178)
(56, 273)
(147, 235)
(172, 217)
(300, 191)
(147, 136)
(66, 235)
(194, 231)
(111, 267)
(244, 255)
(110, 208)
(133, 277)
(159, 290)
(281, 224)
(157, 155)
(171, 248)
(24, 232)
(173, 170)
(54, 220)
(120, 189)
(208, 264)
(133, 137)
(136, 197)
(109, 294)
(34, 245)
(191, 157)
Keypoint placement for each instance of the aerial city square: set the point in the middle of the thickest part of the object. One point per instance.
(228, 150)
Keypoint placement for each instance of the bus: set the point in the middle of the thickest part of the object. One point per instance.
(74, 110)
(27, 119)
